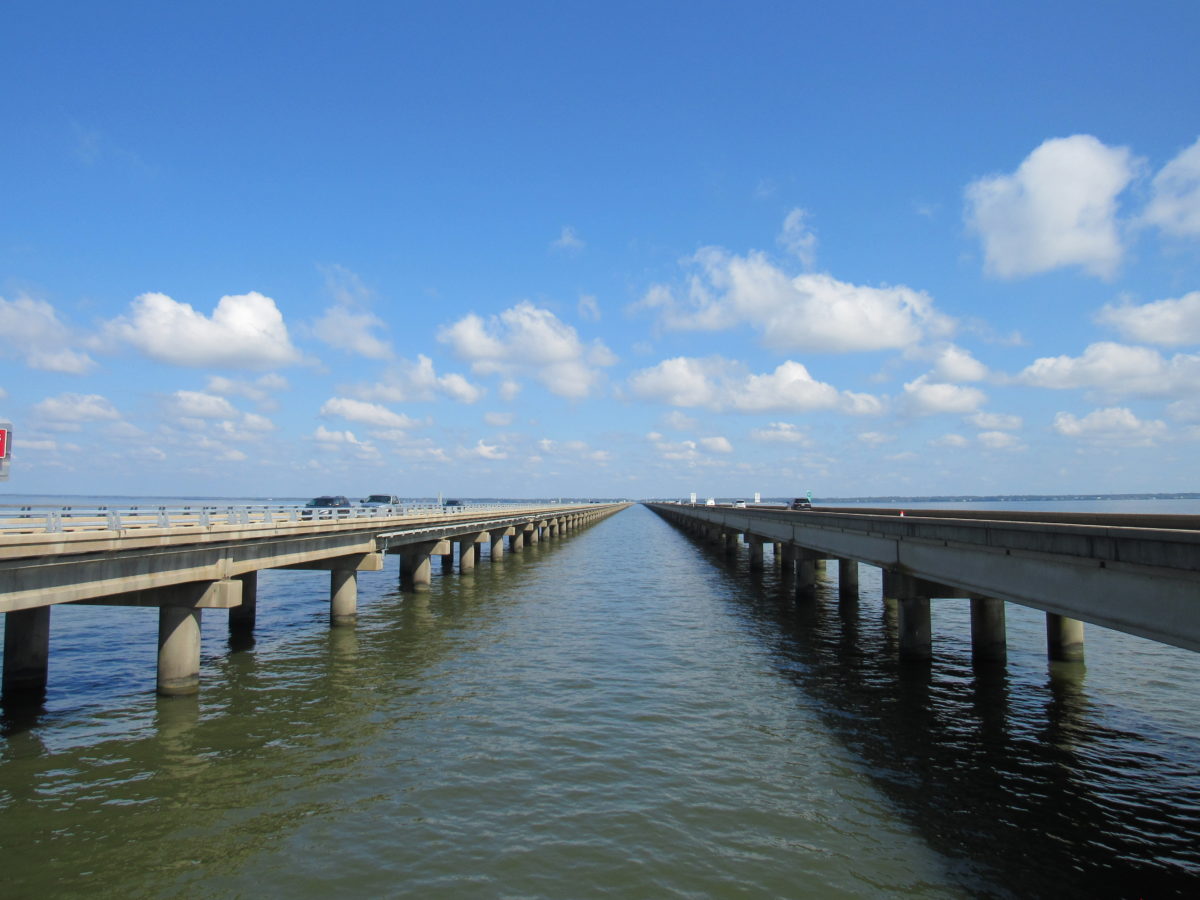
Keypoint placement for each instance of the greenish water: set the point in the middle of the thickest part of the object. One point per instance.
(617, 714)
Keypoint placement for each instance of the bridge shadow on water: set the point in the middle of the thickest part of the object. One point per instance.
(1016, 777)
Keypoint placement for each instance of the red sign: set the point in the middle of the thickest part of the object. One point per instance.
(3, 443)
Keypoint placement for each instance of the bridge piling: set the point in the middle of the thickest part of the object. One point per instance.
(1064, 638)
(988, 639)
(242, 617)
(26, 654)
(343, 596)
(178, 650)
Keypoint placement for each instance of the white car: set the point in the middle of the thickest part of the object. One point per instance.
(739, 504)
(710, 502)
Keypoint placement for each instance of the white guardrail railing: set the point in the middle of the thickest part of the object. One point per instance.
(49, 519)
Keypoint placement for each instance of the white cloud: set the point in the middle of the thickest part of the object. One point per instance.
(30, 329)
(365, 413)
(678, 421)
(351, 330)
(798, 239)
(951, 440)
(1171, 323)
(498, 419)
(956, 365)
(995, 421)
(408, 381)
(68, 412)
(924, 397)
(245, 331)
(1058, 209)
(487, 451)
(1175, 203)
(999, 440)
(1116, 370)
(199, 405)
(1111, 426)
(568, 240)
(1186, 410)
(574, 450)
(719, 384)
(807, 312)
(526, 338)
(588, 308)
(259, 390)
(875, 438)
(782, 433)
(716, 444)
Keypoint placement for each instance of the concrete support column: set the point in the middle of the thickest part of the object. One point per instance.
(242, 618)
(988, 640)
(756, 551)
(414, 571)
(497, 542)
(916, 631)
(532, 534)
(517, 540)
(819, 566)
(787, 560)
(730, 539)
(343, 596)
(806, 573)
(447, 562)
(847, 578)
(776, 549)
(26, 653)
(466, 554)
(1064, 638)
(178, 650)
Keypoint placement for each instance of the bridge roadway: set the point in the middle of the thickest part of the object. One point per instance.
(185, 562)
(1139, 574)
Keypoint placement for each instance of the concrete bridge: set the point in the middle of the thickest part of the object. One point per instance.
(183, 562)
(1136, 574)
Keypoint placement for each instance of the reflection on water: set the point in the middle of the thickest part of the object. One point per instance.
(622, 713)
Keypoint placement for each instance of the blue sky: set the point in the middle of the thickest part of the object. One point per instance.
(543, 249)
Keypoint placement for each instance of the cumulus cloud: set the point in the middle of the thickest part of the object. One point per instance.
(196, 404)
(528, 339)
(365, 413)
(719, 384)
(588, 308)
(498, 419)
(245, 331)
(1117, 370)
(954, 364)
(782, 433)
(69, 412)
(574, 450)
(407, 382)
(875, 438)
(259, 390)
(798, 239)
(716, 444)
(679, 421)
(806, 312)
(1171, 323)
(486, 451)
(349, 325)
(995, 421)
(999, 440)
(1113, 426)
(568, 241)
(1175, 201)
(1058, 209)
(31, 330)
(925, 397)
(951, 440)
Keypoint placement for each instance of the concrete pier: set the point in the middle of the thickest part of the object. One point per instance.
(343, 596)
(26, 653)
(989, 641)
(517, 540)
(415, 572)
(497, 545)
(1064, 638)
(178, 650)
(848, 579)
(466, 554)
(756, 551)
(916, 633)
(243, 616)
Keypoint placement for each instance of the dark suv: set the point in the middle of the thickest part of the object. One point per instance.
(801, 503)
(312, 506)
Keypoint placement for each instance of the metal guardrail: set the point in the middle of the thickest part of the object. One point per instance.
(47, 519)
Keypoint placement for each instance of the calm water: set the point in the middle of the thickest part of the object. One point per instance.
(619, 714)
